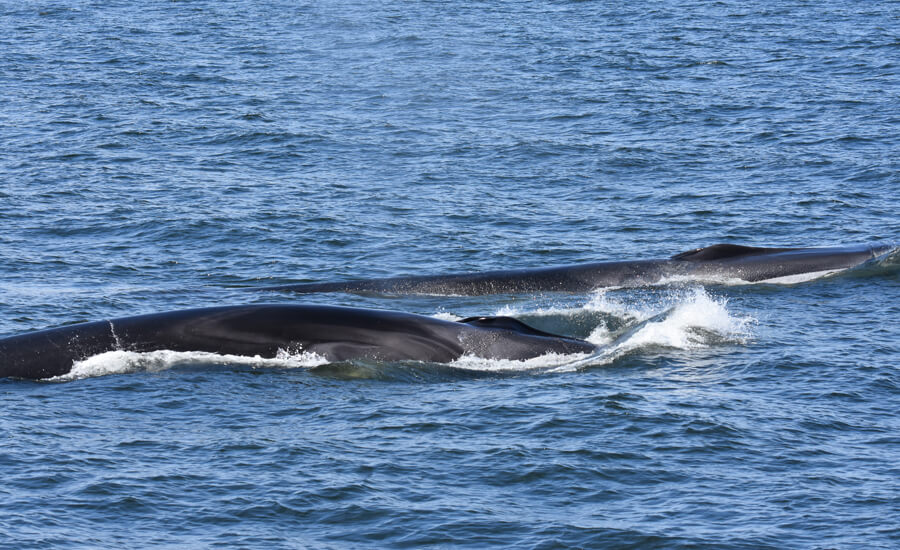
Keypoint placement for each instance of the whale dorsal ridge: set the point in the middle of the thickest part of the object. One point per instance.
(507, 323)
(724, 251)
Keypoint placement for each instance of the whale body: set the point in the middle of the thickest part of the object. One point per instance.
(334, 333)
(721, 261)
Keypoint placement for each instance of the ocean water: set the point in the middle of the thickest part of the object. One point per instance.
(165, 155)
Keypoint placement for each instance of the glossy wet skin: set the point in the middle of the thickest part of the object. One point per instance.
(335, 333)
(750, 264)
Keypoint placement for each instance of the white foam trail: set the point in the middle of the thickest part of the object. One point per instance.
(120, 362)
(544, 362)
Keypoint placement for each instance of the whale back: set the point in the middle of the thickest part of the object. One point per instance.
(265, 330)
(507, 323)
(726, 252)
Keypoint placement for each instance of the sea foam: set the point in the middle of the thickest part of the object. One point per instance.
(121, 362)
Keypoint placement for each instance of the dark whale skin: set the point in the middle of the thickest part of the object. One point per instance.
(750, 264)
(335, 333)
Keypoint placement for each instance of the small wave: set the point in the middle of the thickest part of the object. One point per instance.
(122, 362)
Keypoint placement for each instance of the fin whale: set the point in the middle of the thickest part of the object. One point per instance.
(747, 263)
(335, 333)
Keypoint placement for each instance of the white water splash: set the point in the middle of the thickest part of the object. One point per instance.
(684, 320)
(695, 320)
(121, 362)
(602, 301)
(605, 302)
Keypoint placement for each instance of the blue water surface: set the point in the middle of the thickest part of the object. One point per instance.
(163, 155)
